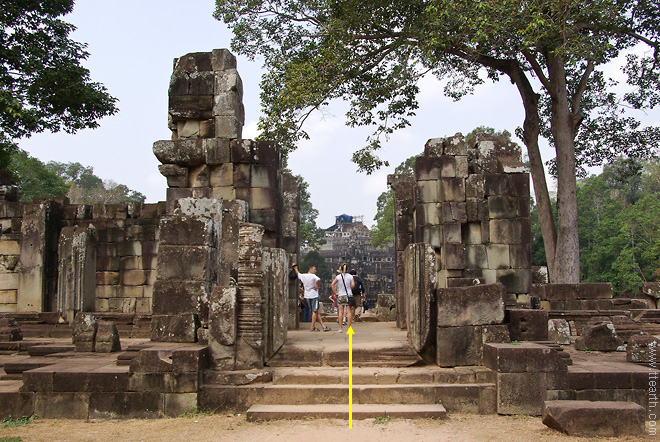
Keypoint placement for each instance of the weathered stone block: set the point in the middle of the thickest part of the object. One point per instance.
(264, 198)
(428, 191)
(528, 325)
(520, 256)
(521, 393)
(228, 127)
(475, 256)
(515, 280)
(599, 337)
(195, 263)
(559, 331)
(217, 151)
(453, 256)
(643, 348)
(510, 231)
(84, 332)
(174, 328)
(419, 282)
(498, 256)
(452, 233)
(174, 297)
(525, 357)
(107, 338)
(477, 305)
(194, 107)
(595, 418)
(64, 405)
(187, 152)
(199, 176)
(188, 231)
(434, 168)
(452, 189)
(125, 405)
(455, 145)
(471, 234)
(502, 206)
(474, 186)
(458, 346)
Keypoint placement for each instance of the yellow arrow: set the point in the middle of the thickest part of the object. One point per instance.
(350, 334)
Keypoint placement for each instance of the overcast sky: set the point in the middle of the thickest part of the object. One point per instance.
(132, 45)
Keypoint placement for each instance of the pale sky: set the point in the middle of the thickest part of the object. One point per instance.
(132, 45)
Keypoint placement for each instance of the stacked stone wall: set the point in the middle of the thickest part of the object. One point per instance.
(37, 258)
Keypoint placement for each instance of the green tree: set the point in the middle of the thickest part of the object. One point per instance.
(42, 83)
(382, 233)
(311, 236)
(76, 173)
(313, 257)
(619, 233)
(34, 179)
(373, 53)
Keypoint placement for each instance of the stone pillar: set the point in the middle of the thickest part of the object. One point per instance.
(275, 293)
(38, 261)
(403, 187)
(291, 239)
(76, 285)
(420, 281)
(250, 311)
(188, 264)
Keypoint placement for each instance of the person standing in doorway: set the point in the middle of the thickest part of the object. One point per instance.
(311, 284)
(358, 293)
(343, 285)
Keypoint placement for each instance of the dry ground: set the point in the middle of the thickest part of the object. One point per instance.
(458, 428)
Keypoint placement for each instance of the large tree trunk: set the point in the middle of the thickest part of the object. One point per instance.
(567, 252)
(531, 139)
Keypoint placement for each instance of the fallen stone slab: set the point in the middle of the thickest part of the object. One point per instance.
(599, 337)
(597, 418)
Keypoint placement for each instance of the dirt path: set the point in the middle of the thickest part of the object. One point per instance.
(458, 428)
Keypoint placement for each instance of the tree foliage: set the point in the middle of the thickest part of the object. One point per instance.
(382, 233)
(311, 236)
(73, 180)
(373, 54)
(313, 257)
(43, 85)
(35, 179)
(619, 216)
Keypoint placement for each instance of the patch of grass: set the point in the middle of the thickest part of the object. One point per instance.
(195, 413)
(586, 350)
(515, 343)
(382, 419)
(11, 439)
(11, 422)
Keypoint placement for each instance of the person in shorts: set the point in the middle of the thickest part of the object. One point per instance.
(343, 285)
(311, 284)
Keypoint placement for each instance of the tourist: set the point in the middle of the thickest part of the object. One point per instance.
(343, 285)
(311, 284)
(358, 293)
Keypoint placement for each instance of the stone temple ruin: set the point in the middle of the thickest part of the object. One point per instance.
(131, 310)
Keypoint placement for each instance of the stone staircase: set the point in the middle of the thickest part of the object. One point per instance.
(307, 392)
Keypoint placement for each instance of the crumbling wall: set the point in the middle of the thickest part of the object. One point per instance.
(470, 202)
(35, 256)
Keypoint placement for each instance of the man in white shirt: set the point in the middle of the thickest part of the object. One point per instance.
(311, 284)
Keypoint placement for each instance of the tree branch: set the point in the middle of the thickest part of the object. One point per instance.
(537, 69)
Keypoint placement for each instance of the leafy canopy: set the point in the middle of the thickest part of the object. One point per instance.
(372, 55)
(43, 85)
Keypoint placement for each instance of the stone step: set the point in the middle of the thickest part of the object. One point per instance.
(465, 398)
(361, 376)
(394, 356)
(49, 349)
(25, 365)
(341, 411)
